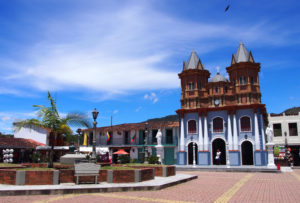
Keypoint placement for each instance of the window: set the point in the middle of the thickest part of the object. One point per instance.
(218, 125)
(245, 80)
(126, 137)
(226, 89)
(252, 80)
(154, 140)
(200, 86)
(169, 136)
(217, 89)
(241, 80)
(191, 86)
(293, 129)
(192, 126)
(245, 124)
(277, 129)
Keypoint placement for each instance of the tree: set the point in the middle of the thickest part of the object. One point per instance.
(50, 119)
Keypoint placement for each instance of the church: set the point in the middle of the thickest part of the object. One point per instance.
(221, 115)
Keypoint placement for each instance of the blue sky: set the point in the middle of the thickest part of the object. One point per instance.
(123, 57)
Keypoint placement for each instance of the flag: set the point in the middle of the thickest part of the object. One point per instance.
(84, 139)
(133, 137)
(108, 136)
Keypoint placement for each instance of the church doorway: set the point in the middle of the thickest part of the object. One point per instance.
(247, 153)
(219, 144)
(192, 152)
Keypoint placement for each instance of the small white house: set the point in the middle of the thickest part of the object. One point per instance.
(40, 135)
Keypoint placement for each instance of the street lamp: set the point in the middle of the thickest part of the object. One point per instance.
(146, 143)
(194, 152)
(78, 135)
(95, 115)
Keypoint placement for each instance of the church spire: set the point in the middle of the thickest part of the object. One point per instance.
(193, 63)
(242, 55)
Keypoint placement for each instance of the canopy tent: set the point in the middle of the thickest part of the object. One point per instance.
(121, 152)
(99, 150)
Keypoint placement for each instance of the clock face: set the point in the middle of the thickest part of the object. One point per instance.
(217, 102)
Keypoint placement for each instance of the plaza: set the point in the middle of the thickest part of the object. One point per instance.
(208, 187)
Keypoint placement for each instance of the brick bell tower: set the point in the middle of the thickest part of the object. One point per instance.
(194, 79)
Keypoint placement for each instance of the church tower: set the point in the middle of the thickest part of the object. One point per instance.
(243, 73)
(194, 79)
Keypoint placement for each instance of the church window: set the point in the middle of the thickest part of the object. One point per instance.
(192, 126)
(216, 89)
(277, 129)
(252, 80)
(241, 80)
(245, 124)
(218, 125)
(245, 80)
(191, 86)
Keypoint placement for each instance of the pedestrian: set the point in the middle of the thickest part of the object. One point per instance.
(218, 157)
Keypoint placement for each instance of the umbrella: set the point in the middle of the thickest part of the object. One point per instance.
(121, 151)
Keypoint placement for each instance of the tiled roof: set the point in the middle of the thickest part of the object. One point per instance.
(137, 126)
(9, 142)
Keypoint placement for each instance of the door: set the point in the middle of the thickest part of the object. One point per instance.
(247, 153)
(169, 156)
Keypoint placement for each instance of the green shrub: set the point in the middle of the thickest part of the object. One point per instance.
(152, 159)
(133, 161)
(124, 159)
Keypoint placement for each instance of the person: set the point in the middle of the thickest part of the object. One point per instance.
(218, 157)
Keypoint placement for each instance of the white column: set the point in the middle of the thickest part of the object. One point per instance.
(235, 137)
(205, 134)
(256, 131)
(182, 135)
(229, 133)
(263, 132)
(200, 134)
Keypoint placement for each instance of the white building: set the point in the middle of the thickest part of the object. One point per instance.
(40, 135)
(286, 132)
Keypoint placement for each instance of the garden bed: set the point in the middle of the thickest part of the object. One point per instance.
(36, 174)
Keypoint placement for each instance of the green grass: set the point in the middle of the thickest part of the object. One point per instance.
(116, 168)
(8, 165)
(150, 165)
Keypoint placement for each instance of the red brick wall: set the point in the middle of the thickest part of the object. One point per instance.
(39, 178)
(66, 176)
(123, 176)
(171, 171)
(146, 174)
(102, 176)
(7, 176)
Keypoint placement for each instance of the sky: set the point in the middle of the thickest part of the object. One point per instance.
(123, 56)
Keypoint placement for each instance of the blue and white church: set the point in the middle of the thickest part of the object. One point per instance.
(220, 114)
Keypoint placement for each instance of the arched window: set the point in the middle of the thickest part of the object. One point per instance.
(245, 123)
(218, 125)
(192, 126)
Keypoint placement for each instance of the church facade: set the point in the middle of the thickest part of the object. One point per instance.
(220, 114)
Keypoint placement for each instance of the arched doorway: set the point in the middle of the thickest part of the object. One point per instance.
(247, 153)
(219, 144)
(191, 153)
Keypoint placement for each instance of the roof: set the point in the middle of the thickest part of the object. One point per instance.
(137, 126)
(218, 78)
(10, 142)
(242, 55)
(193, 63)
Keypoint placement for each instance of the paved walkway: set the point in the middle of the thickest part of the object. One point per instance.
(209, 187)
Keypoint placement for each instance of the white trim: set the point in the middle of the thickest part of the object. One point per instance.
(240, 128)
(188, 127)
(212, 130)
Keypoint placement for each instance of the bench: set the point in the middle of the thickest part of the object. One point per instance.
(86, 169)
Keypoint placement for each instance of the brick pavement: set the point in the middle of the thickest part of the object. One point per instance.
(209, 187)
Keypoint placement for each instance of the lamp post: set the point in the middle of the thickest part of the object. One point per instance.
(194, 153)
(285, 144)
(95, 115)
(78, 136)
(146, 143)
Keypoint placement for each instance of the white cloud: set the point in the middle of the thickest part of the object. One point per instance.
(115, 111)
(152, 97)
(120, 50)
(138, 109)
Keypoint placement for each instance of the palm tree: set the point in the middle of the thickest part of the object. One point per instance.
(49, 118)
